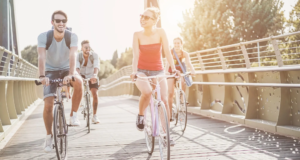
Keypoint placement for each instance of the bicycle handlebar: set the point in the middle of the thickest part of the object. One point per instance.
(53, 81)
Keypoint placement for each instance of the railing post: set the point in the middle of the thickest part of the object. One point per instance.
(221, 58)
(7, 61)
(4, 115)
(11, 107)
(13, 70)
(247, 61)
(277, 52)
(201, 61)
(17, 97)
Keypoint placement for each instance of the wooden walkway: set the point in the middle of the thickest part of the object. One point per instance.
(116, 137)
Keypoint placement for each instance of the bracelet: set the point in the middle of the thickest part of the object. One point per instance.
(41, 76)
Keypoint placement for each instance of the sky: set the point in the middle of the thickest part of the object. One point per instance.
(108, 24)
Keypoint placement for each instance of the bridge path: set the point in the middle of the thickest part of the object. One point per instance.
(116, 137)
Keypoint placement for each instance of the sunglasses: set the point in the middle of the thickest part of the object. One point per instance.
(60, 20)
(146, 17)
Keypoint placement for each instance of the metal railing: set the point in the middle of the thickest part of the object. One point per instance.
(17, 89)
(255, 83)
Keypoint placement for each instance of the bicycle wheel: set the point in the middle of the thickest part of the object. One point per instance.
(164, 134)
(175, 106)
(182, 113)
(88, 112)
(59, 133)
(150, 140)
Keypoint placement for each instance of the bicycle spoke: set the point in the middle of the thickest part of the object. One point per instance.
(164, 135)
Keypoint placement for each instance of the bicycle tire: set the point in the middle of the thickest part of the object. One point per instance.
(88, 113)
(182, 112)
(150, 140)
(164, 135)
(59, 134)
(177, 103)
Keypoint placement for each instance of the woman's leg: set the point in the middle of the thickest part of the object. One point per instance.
(144, 86)
(171, 92)
(164, 95)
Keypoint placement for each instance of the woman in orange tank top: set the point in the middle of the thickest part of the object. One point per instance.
(147, 60)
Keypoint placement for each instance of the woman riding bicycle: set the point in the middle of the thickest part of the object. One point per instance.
(184, 58)
(147, 60)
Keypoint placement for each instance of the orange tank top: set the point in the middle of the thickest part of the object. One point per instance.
(150, 57)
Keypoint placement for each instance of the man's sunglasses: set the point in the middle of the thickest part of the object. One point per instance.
(60, 20)
(146, 17)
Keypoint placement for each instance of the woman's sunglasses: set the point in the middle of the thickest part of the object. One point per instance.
(60, 20)
(146, 17)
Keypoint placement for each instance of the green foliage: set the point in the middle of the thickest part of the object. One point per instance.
(125, 59)
(30, 54)
(114, 59)
(106, 69)
(215, 23)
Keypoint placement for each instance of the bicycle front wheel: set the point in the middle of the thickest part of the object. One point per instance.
(88, 107)
(149, 130)
(60, 133)
(182, 112)
(164, 132)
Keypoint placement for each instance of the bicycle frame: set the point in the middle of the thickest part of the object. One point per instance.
(59, 101)
(154, 102)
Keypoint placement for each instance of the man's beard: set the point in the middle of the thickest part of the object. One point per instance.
(56, 28)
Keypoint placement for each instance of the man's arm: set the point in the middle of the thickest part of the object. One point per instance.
(72, 58)
(78, 63)
(41, 60)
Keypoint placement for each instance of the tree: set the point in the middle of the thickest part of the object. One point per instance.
(125, 59)
(30, 54)
(222, 22)
(106, 69)
(114, 59)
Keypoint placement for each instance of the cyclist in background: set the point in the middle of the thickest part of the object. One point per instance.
(58, 61)
(87, 65)
(147, 61)
(185, 59)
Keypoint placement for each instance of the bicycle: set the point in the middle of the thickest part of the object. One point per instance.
(179, 109)
(87, 109)
(156, 120)
(60, 127)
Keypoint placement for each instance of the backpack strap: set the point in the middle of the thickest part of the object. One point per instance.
(183, 69)
(49, 39)
(67, 37)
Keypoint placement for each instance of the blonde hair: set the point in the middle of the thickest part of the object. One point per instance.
(155, 11)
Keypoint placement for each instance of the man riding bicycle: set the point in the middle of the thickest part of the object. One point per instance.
(56, 59)
(87, 65)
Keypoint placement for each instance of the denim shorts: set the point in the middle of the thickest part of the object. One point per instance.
(50, 91)
(151, 73)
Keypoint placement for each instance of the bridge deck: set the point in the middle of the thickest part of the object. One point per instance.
(116, 137)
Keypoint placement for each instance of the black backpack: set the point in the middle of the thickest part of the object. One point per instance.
(67, 37)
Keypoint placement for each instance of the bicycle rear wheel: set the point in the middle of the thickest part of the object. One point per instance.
(150, 140)
(182, 112)
(88, 107)
(60, 133)
(164, 134)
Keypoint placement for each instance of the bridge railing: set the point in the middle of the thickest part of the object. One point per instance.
(254, 83)
(17, 89)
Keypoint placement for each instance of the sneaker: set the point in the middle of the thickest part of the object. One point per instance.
(48, 145)
(95, 119)
(140, 122)
(74, 120)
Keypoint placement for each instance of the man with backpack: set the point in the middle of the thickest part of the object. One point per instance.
(87, 65)
(56, 59)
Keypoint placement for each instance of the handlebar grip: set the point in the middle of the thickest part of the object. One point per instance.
(37, 83)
